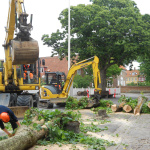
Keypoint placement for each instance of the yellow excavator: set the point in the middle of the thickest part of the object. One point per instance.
(20, 70)
(57, 86)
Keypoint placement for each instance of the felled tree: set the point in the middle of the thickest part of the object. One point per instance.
(27, 136)
(112, 30)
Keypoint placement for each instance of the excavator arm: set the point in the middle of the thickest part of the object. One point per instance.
(20, 50)
(80, 65)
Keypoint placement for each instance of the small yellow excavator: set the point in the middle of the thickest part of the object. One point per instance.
(20, 71)
(57, 86)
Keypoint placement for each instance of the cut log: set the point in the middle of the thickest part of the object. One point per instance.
(141, 101)
(121, 105)
(24, 138)
(148, 104)
(127, 108)
(115, 108)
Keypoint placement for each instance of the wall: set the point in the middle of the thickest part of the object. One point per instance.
(135, 89)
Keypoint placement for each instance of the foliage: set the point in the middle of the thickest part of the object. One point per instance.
(91, 127)
(145, 108)
(83, 102)
(139, 84)
(115, 31)
(3, 137)
(113, 71)
(75, 85)
(104, 104)
(128, 101)
(82, 82)
(95, 110)
(73, 103)
(132, 84)
(58, 135)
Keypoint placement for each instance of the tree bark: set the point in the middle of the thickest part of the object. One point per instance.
(121, 105)
(148, 104)
(115, 108)
(141, 101)
(103, 79)
(127, 108)
(24, 138)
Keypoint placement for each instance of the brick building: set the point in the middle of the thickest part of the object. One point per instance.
(53, 64)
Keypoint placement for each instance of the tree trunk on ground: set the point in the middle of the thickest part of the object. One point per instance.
(127, 108)
(103, 79)
(115, 108)
(26, 137)
(141, 101)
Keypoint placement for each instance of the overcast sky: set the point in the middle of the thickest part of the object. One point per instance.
(45, 18)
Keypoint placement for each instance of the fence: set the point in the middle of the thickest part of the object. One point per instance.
(91, 90)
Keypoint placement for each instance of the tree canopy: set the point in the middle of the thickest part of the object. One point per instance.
(113, 30)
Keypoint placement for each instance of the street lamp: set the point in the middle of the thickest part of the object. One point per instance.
(71, 88)
(69, 36)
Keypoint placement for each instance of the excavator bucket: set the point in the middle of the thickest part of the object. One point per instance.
(19, 111)
(24, 52)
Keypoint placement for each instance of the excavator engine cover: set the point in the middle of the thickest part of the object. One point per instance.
(24, 52)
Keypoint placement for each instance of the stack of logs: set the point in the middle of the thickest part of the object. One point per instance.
(127, 108)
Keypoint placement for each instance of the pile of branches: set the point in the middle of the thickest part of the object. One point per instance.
(42, 127)
(38, 125)
(132, 105)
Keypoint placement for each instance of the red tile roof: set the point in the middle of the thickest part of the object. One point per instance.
(122, 67)
(133, 73)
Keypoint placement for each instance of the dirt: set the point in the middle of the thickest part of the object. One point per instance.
(126, 130)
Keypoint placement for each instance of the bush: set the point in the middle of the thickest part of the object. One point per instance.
(145, 108)
(82, 81)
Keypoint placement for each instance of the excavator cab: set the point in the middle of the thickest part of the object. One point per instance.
(56, 80)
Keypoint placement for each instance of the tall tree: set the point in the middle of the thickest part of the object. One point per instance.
(111, 29)
(144, 59)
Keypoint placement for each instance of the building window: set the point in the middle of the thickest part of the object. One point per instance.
(42, 70)
(126, 79)
(129, 79)
(132, 79)
(135, 79)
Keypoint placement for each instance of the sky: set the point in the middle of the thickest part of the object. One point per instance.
(45, 18)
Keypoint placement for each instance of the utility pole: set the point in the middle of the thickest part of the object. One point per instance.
(71, 88)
